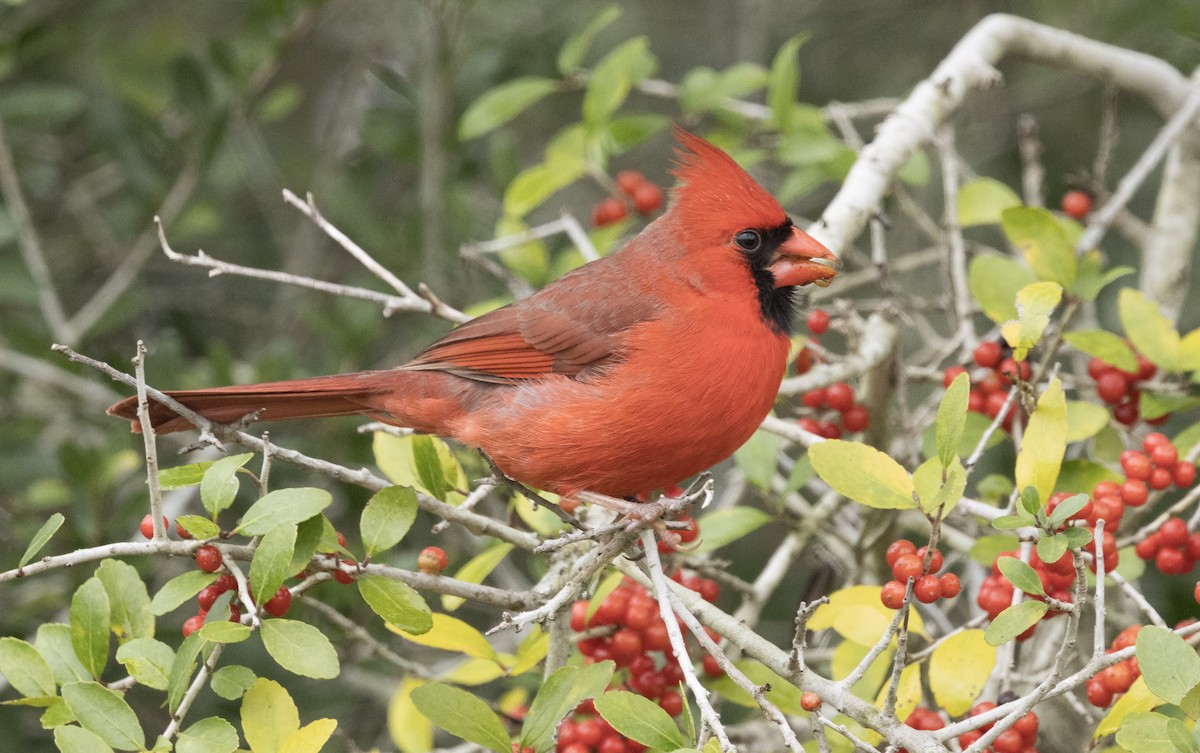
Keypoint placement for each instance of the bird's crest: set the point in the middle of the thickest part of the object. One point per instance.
(714, 194)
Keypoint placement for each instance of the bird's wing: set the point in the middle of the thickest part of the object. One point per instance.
(573, 327)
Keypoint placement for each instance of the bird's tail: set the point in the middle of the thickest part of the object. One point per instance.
(317, 397)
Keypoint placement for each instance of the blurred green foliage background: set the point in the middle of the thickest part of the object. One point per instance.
(118, 110)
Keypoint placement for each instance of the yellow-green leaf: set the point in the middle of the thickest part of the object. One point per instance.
(501, 104)
(908, 691)
(980, 202)
(1084, 420)
(1045, 441)
(831, 615)
(951, 418)
(269, 716)
(1044, 242)
(1035, 303)
(394, 456)
(994, 281)
(474, 671)
(958, 669)
(310, 738)
(863, 474)
(463, 715)
(105, 713)
(1104, 345)
(452, 634)
(1153, 333)
(571, 55)
(1138, 698)
(614, 76)
(478, 568)
(938, 486)
(531, 651)
(90, 625)
(1189, 351)
(410, 730)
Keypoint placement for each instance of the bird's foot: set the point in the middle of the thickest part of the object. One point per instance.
(500, 477)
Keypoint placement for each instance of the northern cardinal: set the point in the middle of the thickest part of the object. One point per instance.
(629, 374)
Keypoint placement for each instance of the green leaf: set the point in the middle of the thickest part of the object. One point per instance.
(1170, 667)
(1155, 405)
(724, 526)
(269, 715)
(1035, 303)
(182, 476)
(40, 103)
(105, 713)
(1077, 537)
(565, 689)
(980, 202)
(308, 538)
(1021, 575)
(534, 185)
(1104, 345)
(1145, 732)
(1066, 509)
(994, 281)
(397, 603)
(182, 668)
(387, 517)
(48, 529)
(1030, 502)
(1039, 235)
(300, 648)
(863, 474)
(54, 644)
(219, 485)
(1081, 476)
(915, 170)
(224, 631)
(938, 486)
(25, 669)
(1052, 548)
(232, 682)
(129, 603)
(501, 104)
(283, 506)
(199, 526)
(625, 132)
(211, 735)
(90, 625)
(1014, 620)
(148, 661)
(757, 458)
(614, 76)
(1091, 277)
(639, 718)
(178, 590)
(429, 469)
(1044, 443)
(72, 739)
(1145, 325)
(952, 418)
(959, 667)
(272, 563)
(703, 89)
(783, 81)
(987, 548)
(463, 715)
(1085, 420)
(573, 51)
(1011, 522)
(479, 567)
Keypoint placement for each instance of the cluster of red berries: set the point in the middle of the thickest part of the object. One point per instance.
(1159, 466)
(1076, 203)
(1119, 677)
(907, 561)
(645, 196)
(641, 646)
(277, 606)
(842, 413)
(1019, 738)
(817, 321)
(923, 719)
(990, 385)
(1173, 549)
(1120, 388)
(996, 592)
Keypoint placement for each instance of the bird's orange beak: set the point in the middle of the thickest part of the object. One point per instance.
(801, 260)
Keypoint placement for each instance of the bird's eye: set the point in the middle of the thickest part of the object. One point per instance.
(748, 240)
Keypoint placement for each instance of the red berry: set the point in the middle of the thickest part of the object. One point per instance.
(907, 566)
(1172, 561)
(1098, 693)
(689, 533)
(589, 732)
(671, 702)
(647, 198)
(1173, 532)
(1009, 741)
(804, 361)
(1134, 493)
(839, 396)
(967, 739)
(1118, 677)
(343, 577)
(431, 560)
(1111, 387)
(1147, 548)
(982, 708)
(208, 596)
(208, 558)
(988, 354)
(1145, 368)
(951, 373)
(192, 624)
(927, 589)
(1076, 204)
(1012, 368)
(935, 562)
(625, 645)
(892, 594)
(179, 529)
(814, 399)
(993, 404)
(655, 637)
(1127, 412)
(857, 418)
(1184, 474)
(1164, 454)
(897, 548)
(279, 604)
(1193, 546)
(950, 585)
(628, 181)
(1028, 727)
(341, 537)
(829, 430)
(1097, 368)
(712, 668)
(1160, 478)
(1154, 439)
(147, 526)
(710, 590)
(608, 211)
(817, 321)
(1196, 592)
(810, 701)
(1136, 465)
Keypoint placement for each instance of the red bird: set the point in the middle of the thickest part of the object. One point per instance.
(629, 374)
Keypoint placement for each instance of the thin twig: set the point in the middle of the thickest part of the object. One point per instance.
(148, 437)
